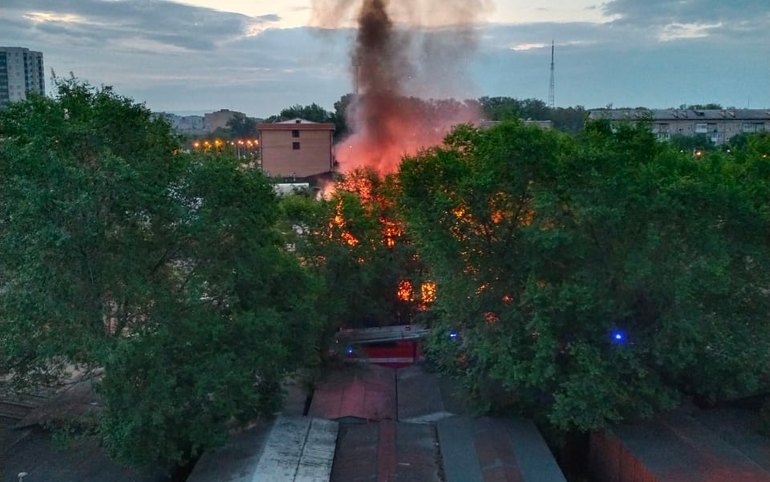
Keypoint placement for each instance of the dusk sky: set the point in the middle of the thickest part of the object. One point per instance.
(258, 56)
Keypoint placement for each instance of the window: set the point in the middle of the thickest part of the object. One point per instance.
(753, 127)
(701, 128)
(295, 146)
(295, 133)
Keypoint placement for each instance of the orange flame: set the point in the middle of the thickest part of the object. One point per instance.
(405, 291)
(428, 292)
(390, 232)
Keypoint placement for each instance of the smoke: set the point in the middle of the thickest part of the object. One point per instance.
(396, 66)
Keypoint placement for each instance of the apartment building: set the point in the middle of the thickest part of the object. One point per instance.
(719, 125)
(296, 148)
(21, 73)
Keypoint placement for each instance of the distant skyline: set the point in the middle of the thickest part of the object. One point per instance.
(258, 57)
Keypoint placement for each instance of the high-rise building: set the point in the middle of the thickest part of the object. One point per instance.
(21, 73)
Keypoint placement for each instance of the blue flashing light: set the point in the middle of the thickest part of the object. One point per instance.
(454, 335)
(349, 350)
(618, 336)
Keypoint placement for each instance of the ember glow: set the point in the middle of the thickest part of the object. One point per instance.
(337, 224)
(390, 232)
(428, 292)
(405, 291)
(394, 66)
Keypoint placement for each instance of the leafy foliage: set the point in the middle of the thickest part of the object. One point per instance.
(356, 243)
(165, 270)
(597, 279)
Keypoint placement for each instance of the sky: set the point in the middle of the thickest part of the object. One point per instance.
(259, 56)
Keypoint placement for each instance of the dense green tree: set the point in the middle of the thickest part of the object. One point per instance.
(355, 241)
(570, 119)
(312, 112)
(340, 116)
(165, 270)
(692, 144)
(598, 279)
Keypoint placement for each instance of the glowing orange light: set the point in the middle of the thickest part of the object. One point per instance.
(405, 291)
(507, 299)
(428, 292)
(482, 288)
(491, 318)
(349, 238)
(390, 231)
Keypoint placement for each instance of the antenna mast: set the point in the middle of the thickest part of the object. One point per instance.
(552, 86)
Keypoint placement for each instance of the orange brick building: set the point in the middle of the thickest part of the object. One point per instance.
(296, 148)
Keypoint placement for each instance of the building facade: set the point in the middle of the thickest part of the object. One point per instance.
(21, 73)
(219, 119)
(719, 125)
(296, 148)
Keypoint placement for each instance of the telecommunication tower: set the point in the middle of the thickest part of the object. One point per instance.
(552, 85)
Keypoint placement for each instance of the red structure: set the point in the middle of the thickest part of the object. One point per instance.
(393, 346)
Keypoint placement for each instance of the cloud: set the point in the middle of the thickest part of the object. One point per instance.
(182, 58)
(527, 46)
(168, 25)
(669, 20)
(677, 31)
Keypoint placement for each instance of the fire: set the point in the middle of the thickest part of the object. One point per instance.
(428, 292)
(405, 291)
(338, 221)
(387, 116)
(390, 232)
(349, 238)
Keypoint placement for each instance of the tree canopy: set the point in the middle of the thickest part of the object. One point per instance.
(594, 279)
(165, 270)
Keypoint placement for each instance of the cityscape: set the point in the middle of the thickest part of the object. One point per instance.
(382, 240)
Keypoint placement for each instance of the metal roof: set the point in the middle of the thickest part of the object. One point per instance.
(381, 334)
(680, 114)
(290, 449)
(360, 391)
(504, 450)
(678, 448)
